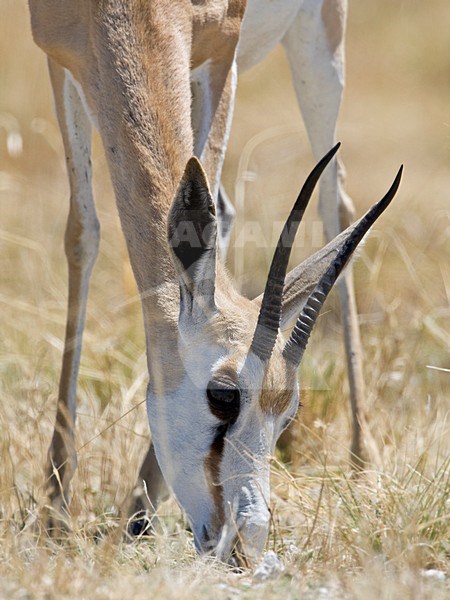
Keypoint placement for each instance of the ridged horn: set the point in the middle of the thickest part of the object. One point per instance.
(295, 346)
(269, 316)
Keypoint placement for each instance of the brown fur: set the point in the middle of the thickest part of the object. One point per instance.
(277, 389)
(212, 469)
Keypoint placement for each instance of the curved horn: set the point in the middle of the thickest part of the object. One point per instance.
(270, 313)
(295, 346)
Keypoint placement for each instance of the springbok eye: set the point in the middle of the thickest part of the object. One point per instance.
(224, 401)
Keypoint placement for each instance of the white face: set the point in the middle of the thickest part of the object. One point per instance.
(214, 442)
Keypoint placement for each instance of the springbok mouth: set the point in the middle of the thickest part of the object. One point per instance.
(238, 558)
(226, 547)
(232, 549)
(235, 557)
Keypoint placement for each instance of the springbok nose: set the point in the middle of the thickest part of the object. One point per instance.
(244, 536)
(253, 535)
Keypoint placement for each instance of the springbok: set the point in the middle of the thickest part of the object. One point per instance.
(222, 381)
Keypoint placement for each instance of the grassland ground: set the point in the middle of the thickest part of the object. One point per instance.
(385, 535)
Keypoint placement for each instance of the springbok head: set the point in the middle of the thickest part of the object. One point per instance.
(215, 430)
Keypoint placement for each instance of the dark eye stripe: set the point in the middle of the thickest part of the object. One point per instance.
(212, 468)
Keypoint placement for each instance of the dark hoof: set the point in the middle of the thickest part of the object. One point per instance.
(140, 525)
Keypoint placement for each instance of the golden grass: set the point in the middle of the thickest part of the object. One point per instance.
(378, 537)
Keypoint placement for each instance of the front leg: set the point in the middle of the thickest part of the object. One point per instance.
(314, 46)
(81, 247)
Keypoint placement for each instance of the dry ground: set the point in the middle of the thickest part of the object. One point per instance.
(385, 536)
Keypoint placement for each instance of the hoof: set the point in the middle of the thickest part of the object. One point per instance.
(140, 525)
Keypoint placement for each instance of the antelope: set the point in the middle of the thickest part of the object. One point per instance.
(222, 380)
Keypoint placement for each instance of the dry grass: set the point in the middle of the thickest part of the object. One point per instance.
(379, 537)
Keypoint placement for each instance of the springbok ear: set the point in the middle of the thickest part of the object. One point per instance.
(192, 235)
(301, 281)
